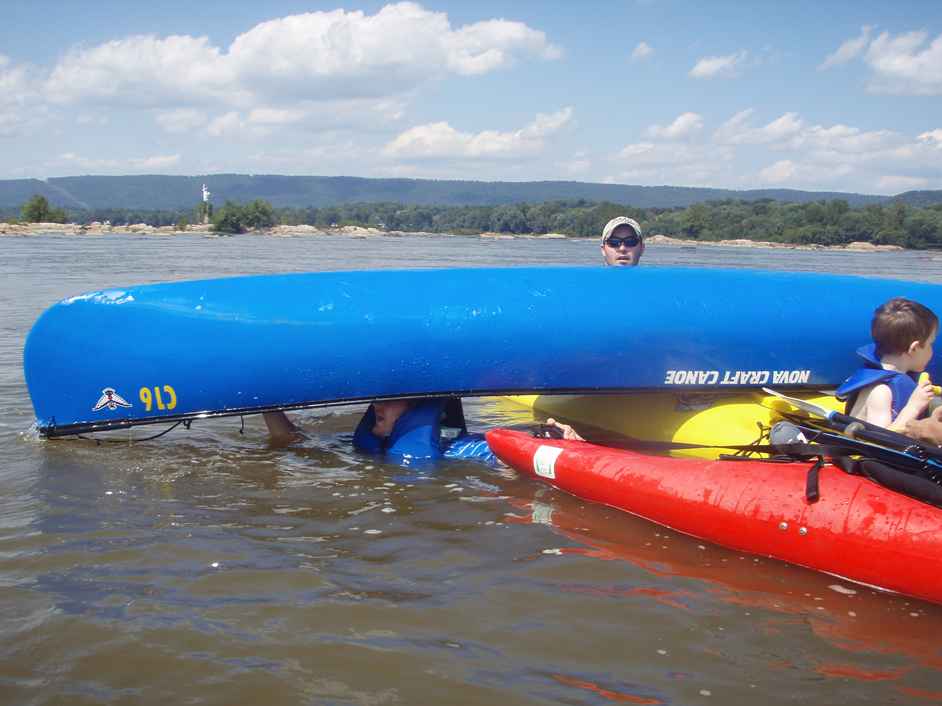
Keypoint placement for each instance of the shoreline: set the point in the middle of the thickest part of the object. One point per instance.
(97, 229)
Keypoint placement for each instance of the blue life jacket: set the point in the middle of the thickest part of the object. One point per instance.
(901, 385)
(417, 437)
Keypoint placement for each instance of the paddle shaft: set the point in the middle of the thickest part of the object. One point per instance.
(852, 426)
(902, 460)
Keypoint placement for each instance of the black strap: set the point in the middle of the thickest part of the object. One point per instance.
(813, 481)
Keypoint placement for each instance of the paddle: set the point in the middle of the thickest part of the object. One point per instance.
(853, 427)
(900, 460)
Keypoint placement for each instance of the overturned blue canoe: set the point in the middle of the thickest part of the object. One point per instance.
(179, 350)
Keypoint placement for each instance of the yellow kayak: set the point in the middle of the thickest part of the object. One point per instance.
(706, 418)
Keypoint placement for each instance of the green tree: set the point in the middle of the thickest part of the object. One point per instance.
(695, 220)
(238, 218)
(38, 210)
(258, 214)
(229, 219)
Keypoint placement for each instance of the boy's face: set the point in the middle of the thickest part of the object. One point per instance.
(922, 352)
(387, 414)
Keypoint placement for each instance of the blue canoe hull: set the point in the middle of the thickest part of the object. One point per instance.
(179, 350)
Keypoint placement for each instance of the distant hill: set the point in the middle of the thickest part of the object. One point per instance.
(180, 192)
(919, 199)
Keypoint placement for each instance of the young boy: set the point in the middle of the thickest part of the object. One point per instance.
(885, 391)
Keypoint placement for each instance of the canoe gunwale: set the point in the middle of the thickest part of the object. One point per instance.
(53, 430)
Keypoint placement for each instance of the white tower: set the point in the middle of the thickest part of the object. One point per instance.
(207, 207)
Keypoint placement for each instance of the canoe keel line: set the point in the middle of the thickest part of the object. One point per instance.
(856, 530)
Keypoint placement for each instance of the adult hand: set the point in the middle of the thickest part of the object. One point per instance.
(914, 407)
(281, 430)
(928, 429)
(568, 431)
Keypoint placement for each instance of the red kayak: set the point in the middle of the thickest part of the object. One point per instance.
(857, 530)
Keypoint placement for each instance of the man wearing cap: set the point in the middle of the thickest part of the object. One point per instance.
(621, 242)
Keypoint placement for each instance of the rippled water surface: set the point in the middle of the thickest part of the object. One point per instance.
(208, 567)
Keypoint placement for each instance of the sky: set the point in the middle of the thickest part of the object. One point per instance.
(824, 96)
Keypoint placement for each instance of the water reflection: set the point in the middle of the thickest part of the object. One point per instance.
(859, 621)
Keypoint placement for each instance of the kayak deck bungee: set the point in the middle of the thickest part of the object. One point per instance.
(857, 530)
(180, 350)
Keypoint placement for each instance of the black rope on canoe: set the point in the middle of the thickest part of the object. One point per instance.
(98, 442)
(752, 449)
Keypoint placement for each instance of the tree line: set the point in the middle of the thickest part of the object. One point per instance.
(831, 222)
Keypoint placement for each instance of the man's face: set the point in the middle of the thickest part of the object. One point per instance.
(387, 413)
(617, 249)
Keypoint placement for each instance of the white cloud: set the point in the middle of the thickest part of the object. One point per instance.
(779, 172)
(719, 66)
(356, 113)
(312, 56)
(181, 120)
(933, 138)
(20, 105)
(835, 143)
(642, 51)
(898, 184)
(157, 162)
(143, 71)
(123, 166)
(839, 156)
(683, 126)
(681, 163)
(326, 154)
(848, 140)
(92, 119)
(660, 153)
(579, 164)
(277, 116)
(492, 44)
(905, 65)
(738, 129)
(848, 50)
(441, 140)
(794, 174)
(234, 125)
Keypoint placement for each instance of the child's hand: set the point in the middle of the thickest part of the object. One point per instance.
(919, 400)
(568, 431)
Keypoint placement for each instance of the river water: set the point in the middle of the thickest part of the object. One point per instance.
(208, 567)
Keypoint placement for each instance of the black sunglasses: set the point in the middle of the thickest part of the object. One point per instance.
(629, 241)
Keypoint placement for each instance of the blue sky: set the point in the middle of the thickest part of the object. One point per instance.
(811, 95)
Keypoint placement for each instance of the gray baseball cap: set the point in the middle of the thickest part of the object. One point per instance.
(620, 221)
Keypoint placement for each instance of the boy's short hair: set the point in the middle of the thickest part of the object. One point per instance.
(899, 322)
